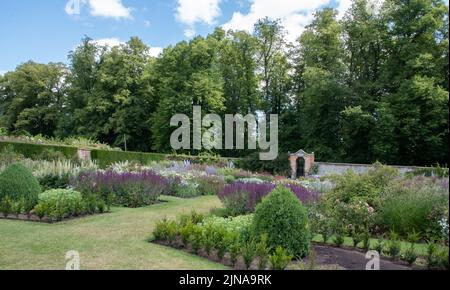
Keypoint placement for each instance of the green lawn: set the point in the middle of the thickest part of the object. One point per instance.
(117, 240)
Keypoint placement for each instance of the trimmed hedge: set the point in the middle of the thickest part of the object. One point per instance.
(31, 150)
(104, 158)
(108, 157)
(279, 166)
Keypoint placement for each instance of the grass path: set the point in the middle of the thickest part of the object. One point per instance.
(112, 241)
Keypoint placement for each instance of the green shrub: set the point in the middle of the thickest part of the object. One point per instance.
(379, 246)
(413, 208)
(353, 219)
(219, 240)
(186, 232)
(234, 247)
(394, 245)
(410, 255)
(339, 239)
(196, 238)
(186, 189)
(262, 252)
(367, 187)
(207, 240)
(280, 259)
(249, 253)
(284, 219)
(31, 150)
(19, 184)
(59, 203)
(437, 257)
(6, 205)
(229, 179)
(240, 225)
(165, 230)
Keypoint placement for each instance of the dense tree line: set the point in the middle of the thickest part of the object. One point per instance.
(372, 86)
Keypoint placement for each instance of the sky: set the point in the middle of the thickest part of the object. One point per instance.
(47, 30)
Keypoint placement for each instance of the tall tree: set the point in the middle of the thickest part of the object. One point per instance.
(237, 58)
(271, 44)
(32, 97)
(186, 75)
(84, 62)
(412, 79)
(364, 33)
(323, 95)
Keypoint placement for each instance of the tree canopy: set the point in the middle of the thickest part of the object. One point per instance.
(372, 86)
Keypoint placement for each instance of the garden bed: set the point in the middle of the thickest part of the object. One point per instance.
(352, 259)
(35, 218)
(325, 258)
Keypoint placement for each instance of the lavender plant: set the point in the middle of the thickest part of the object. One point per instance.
(128, 189)
(242, 197)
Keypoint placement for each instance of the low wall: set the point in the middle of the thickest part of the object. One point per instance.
(325, 168)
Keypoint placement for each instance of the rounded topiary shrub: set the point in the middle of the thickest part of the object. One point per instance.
(17, 183)
(284, 219)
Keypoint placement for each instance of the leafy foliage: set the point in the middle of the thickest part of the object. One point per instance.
(284, 219)
(59, 203)
(17, 183)
(346, 89)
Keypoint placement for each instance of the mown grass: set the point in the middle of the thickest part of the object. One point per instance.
(117, 240)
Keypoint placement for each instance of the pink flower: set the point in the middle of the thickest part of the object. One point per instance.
(370, 210)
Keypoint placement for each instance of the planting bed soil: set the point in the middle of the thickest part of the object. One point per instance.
(326, 258)
(351, 259)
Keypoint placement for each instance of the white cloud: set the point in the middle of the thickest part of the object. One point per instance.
(191, 12)
(189, 33)
(294, 14)
(109, 42)
(197, 11)
(343, 6)
(109, 8)
(102, 8)
(112, 42)
(155, 51)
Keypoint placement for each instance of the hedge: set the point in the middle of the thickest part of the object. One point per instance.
(30, 150)
(104, 158)
(108, 157)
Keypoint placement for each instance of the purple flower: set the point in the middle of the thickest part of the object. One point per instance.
(211, 170)
(255, 192)
(129, 189)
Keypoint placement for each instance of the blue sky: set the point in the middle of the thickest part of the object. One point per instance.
(47, 30)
